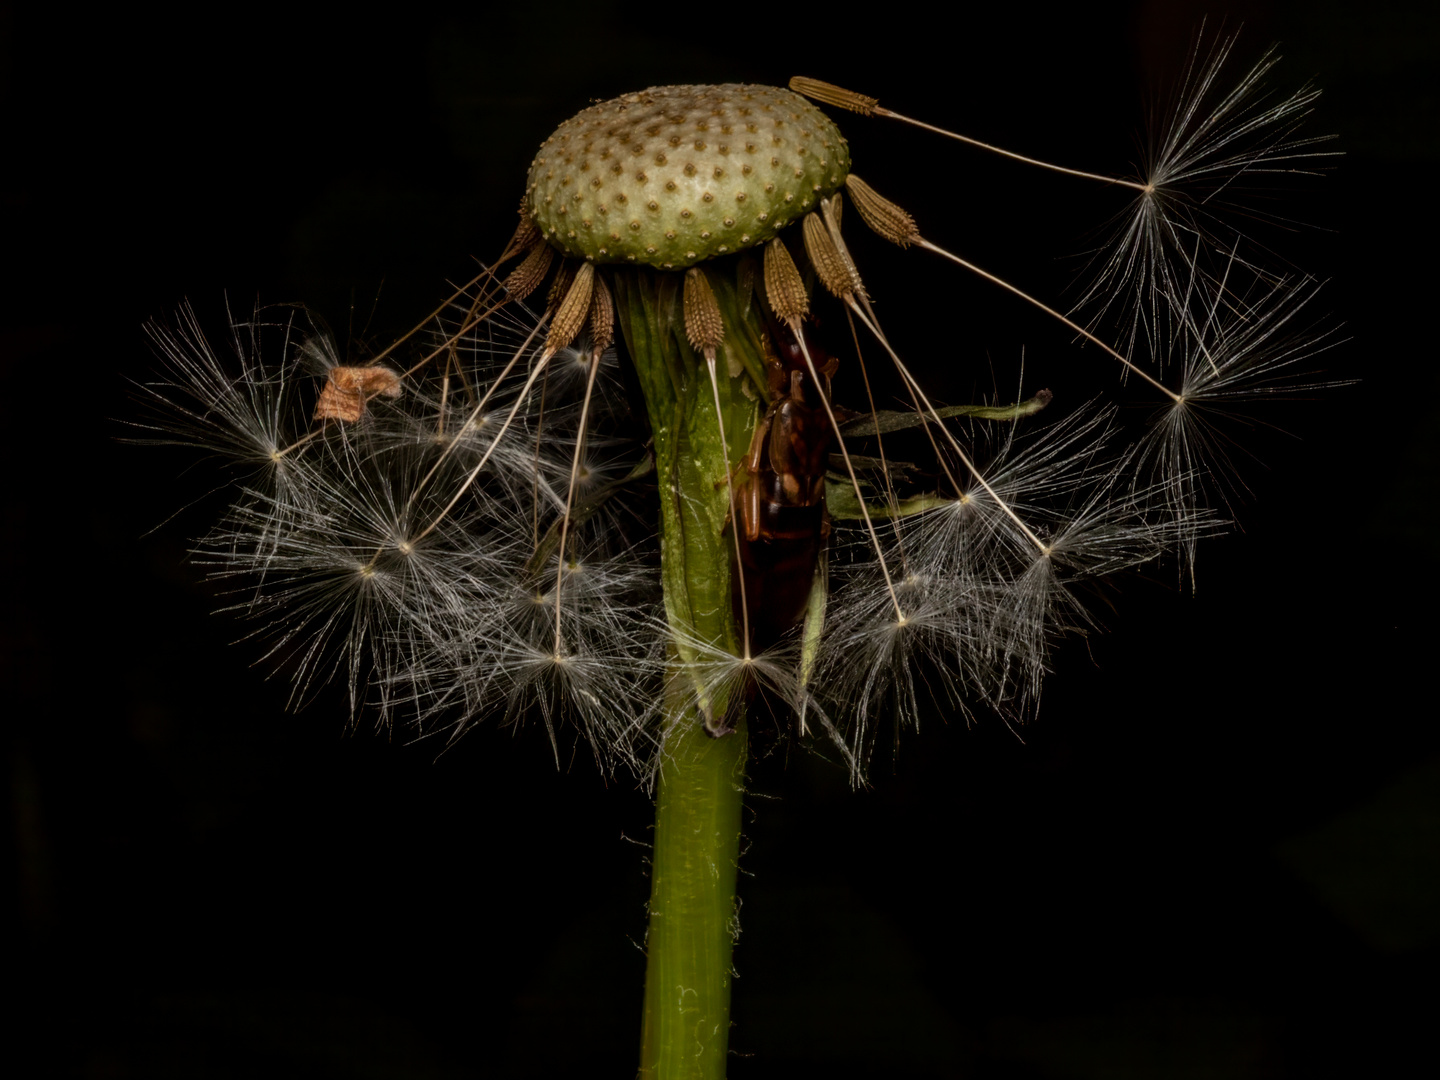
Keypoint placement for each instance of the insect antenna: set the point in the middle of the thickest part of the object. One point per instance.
(524, 238)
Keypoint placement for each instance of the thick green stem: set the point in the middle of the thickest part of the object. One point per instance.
(686, 1027)
(685, 1033)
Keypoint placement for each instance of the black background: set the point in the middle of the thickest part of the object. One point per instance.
(1215, 853)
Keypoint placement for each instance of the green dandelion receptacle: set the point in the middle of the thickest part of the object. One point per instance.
(674, 175)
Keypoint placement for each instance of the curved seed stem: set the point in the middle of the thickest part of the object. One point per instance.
(476, 412)
(1146, 188)
(570, 495)
(470, 479)
(854, 481)
(1040, 545)
(890, 495)
(1052, 312)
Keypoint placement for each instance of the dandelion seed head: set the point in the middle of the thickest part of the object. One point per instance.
(466, 529)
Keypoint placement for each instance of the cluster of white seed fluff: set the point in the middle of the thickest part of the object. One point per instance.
(472, 534)
(412, 554)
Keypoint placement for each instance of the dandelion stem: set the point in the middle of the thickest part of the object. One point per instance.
(686, 1025)
(684, 1032)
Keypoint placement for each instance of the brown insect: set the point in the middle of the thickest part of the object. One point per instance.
(348, 390)
(783, 526)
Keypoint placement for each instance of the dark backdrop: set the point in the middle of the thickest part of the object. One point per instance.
(1213, 854)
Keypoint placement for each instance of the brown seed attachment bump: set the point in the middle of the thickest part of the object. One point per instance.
(831, 94)
(882, 215)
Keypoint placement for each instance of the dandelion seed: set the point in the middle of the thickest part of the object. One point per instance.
(1235, 353)
(1206, 154)
(321, 597)
(245, 412)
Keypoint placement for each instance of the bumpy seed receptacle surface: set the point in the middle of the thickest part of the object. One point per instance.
(673, 175)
